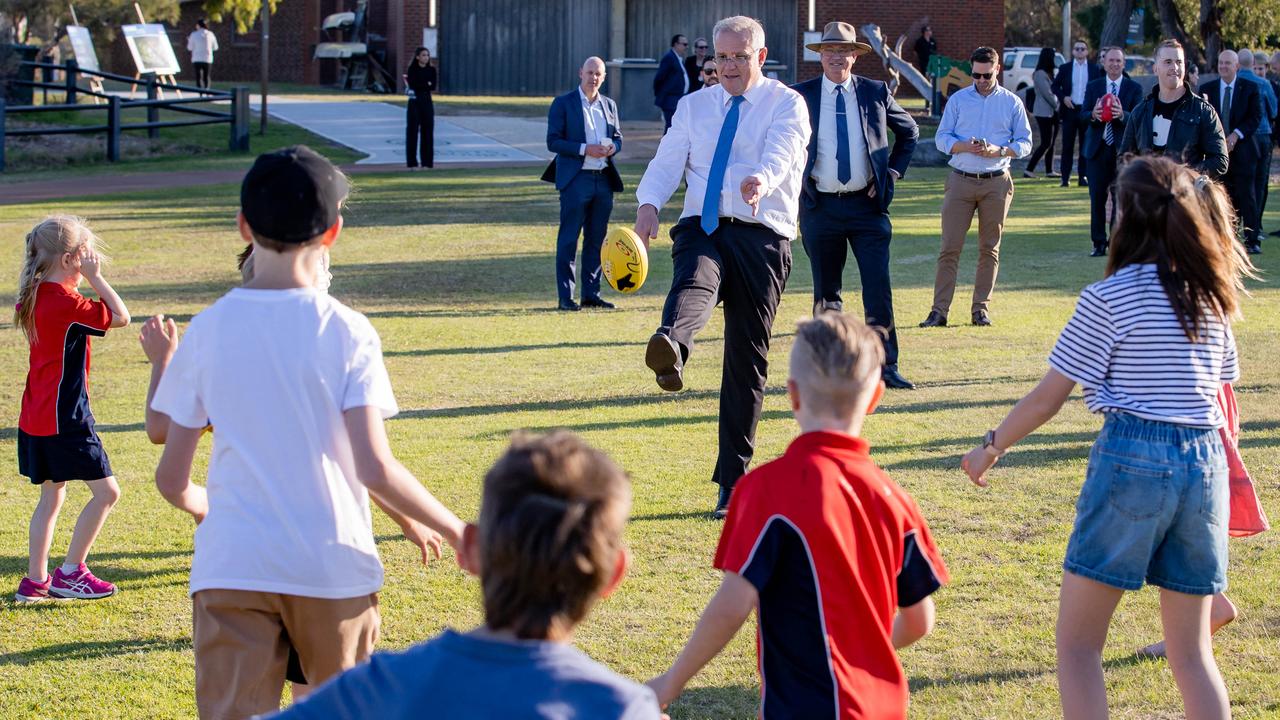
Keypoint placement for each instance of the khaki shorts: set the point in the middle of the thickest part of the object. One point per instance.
(243, 641)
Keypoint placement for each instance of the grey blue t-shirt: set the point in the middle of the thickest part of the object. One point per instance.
(463, 676)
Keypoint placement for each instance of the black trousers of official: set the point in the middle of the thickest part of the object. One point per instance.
(585, 205)
(202, 73)
(745, 266)
(1072, 132)
(1242, 186)
(832, 226)
(1102, 176)
(1264, 176)
(420, 130)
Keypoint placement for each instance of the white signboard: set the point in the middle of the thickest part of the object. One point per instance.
(151, 50)
(430, 39)
(82, 46)
(810, 55)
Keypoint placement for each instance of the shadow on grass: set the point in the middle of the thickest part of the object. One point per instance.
(11, 433)
(72, 652)
(501, 349)
(1002, 676)
(732, 701)
(660, 517)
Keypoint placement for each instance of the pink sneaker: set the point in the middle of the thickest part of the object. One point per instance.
(31, 591)
(80, 584)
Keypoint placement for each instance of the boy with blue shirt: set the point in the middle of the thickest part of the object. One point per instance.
(548, 545)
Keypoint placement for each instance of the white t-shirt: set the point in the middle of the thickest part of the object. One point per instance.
(273, 371)
(202, 43)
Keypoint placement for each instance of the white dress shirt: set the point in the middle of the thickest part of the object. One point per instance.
(1222, 96)
(1079, 79)
(596, 127)
(771, 145)
(825, 167)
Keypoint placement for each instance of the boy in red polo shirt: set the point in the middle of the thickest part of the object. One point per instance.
(834, 557)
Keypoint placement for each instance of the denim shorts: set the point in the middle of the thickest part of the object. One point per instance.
(1154, 508)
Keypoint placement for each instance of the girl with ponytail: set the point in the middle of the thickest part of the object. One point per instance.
(56, 437)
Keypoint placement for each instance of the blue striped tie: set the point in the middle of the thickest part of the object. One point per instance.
(844, 170)
(719, 162)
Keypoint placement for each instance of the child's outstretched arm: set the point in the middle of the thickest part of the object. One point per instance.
(173, 474)
(159, 338)
(1032, 411)
(393, 487)
(912, 623)
(724, 615)
(91, 269)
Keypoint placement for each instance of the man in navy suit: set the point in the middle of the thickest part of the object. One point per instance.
(1102, 139)
(1069, 85)
(582, 130)
(1239, 105)
(848, 182)
(671, 82)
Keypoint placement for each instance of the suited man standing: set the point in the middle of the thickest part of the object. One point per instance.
(582, 130)
(671, 82)
(1102, 139)
(849, 178)
(1069, 85)
(1266, 129)
(1239, 105)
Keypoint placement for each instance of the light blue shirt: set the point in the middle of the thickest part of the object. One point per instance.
(998, 118)
(1268, 100)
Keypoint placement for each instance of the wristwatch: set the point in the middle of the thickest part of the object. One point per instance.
(989, 445)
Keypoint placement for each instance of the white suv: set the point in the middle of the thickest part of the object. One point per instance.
(1019, 65)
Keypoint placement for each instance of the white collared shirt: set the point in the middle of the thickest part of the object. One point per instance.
(1079, 79)
(1222, 98)
(596, 129)
(770, 144)
(825, 167)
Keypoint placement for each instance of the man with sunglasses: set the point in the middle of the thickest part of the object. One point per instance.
(983, 127)
(710, 74)
(1070, 85)
(671, 82)
(848, 183)
(740, 147)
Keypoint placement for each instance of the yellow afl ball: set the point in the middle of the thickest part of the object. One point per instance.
(624, 260)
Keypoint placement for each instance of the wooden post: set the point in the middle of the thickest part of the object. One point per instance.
(153, 112)
(73, 69)
(113, 129)
(239, 119)
(265, 15)
(1, 132)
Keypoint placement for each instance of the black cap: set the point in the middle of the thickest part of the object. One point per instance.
(292, 195)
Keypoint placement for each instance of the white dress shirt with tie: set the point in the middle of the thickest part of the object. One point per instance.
(597, 130)
(1222, 103)
(771, 145)
(825, 170)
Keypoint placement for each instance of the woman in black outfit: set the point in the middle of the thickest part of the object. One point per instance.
(693, 63)
(1045, 110)
(421, 79)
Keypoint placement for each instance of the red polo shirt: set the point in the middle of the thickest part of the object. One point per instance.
(834, 548)
(56, 399)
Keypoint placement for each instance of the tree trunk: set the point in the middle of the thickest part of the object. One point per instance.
(1172, 26)
(1116, 25)
(1211, 29)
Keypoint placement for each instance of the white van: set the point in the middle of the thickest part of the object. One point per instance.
(1019, 65)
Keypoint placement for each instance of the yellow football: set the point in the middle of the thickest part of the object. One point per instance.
(624, 260)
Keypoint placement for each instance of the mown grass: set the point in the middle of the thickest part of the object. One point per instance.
(454, 269)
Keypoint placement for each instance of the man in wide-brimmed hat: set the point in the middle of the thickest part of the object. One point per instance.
(848, 182)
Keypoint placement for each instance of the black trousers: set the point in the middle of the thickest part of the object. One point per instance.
(829, 229)
(745, 266)
(1264, 177)
(1102, 175)
(202, 73)
(585, 205)
(1242, 186)
(421, 126)
(1048, 127)
(1072, 132)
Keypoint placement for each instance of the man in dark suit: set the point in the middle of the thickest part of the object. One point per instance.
(671, 82)
(1069, 85)
(848, 183)
(1239, 105)
(582, 130)
(1102, 139)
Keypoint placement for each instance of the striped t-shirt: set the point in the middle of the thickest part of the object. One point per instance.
(1126, 348)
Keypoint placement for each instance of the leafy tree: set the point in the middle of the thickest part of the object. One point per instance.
(45, 19)
(243, 12)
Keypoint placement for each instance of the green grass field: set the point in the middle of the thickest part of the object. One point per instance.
(454, 269)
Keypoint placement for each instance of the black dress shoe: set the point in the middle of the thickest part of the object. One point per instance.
(597, 302)
(1064, 183)
(893, 379)
(1253, 248)
(1274, 233)
(935, 319)
(1084, 182)
(663, 358)
(981, 318)
(722, 503)
(1098, 251)
(568, 306)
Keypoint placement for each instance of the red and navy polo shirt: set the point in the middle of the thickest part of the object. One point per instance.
(834, 548)
(56, 399)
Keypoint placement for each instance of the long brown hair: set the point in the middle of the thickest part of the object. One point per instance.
(1183, 223)
(47, 242)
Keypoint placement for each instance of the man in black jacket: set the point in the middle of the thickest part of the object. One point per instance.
(1174, 121)
(1239, 106)
(1069, 85)
(1103, 138)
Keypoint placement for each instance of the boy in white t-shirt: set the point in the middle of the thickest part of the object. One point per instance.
(295, 385)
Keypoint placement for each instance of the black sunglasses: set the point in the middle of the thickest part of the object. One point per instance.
(983, 76)
(708, 72)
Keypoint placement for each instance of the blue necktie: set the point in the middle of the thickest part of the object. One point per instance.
(720, 161)
(844, 171)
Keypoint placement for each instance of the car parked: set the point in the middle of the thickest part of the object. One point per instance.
(1019, 65)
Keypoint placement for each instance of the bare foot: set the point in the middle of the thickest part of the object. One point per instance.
(1154, 651)
(1221, 613)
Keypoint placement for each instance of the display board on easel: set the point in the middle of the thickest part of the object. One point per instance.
(151, 50)
(86, 56)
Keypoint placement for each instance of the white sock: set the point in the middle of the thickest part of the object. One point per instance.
(69, 568)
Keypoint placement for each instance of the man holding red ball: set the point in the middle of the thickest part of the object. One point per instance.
(1107, 102)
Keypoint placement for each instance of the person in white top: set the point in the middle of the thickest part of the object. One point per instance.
(733, 241)
(202, 43)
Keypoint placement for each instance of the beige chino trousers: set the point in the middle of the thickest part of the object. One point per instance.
(990, 198)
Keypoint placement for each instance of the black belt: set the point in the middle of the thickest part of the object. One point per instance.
(981, 176)
(593, 172)
(849, 193)
(738, 221)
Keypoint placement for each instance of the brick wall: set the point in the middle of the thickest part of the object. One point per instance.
(958, 28)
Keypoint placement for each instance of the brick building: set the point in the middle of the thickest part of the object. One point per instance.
(520, 47)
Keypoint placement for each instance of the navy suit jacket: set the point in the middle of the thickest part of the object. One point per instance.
(1130, 94)
(566, 134)
(668, 82)
(1064, 80)
(879, 113)
(1246, 109)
